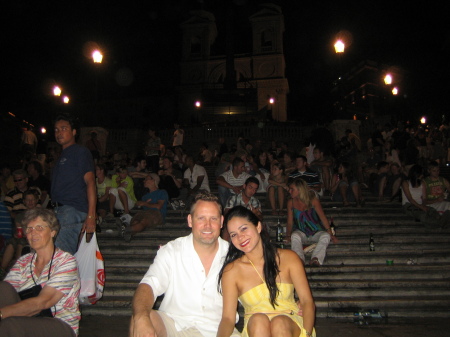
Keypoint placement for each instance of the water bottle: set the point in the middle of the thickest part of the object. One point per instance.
(279, 232)
(371, 243)
(332, 227)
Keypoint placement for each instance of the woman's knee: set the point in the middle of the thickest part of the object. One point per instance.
(258, 321)
(284, 326)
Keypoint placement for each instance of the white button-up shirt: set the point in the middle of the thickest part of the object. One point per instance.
(191, 297)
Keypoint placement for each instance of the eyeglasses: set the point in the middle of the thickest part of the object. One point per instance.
(17, 180)
(38, 228)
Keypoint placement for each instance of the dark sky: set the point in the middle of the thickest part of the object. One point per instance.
(43, 43)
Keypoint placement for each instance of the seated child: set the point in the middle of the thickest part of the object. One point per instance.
(18, 245)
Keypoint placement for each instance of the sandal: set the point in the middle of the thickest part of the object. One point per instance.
(314, 262)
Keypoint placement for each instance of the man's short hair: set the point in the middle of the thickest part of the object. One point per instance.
(121, 169)
(72, 120)
(32, 192)
(205, 196)
(168, 158)
(252, 180)
(236, 161)
(20, 172)
(433, 163)
(301, 156)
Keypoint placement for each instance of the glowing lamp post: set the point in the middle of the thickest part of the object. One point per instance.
(388, 79)
(57, 91)
(339, 47)
(66, 99)
(97, 56)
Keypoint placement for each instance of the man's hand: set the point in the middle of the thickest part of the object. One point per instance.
(334, 239)
(237, 189)
(141, 326)
(89, 225)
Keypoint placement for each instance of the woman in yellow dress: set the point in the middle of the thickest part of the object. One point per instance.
(263, 279)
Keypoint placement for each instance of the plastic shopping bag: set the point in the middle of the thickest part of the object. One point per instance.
(91, 270)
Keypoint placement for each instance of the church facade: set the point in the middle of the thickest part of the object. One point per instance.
(236, 87)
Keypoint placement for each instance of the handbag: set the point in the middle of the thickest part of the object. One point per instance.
(91, 270)
(34, 292)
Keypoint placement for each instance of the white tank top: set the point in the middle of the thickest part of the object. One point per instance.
(416, 194)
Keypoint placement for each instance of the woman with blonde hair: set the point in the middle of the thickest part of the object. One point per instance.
(307, 223)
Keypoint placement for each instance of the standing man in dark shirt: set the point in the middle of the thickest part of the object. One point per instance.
(73, 187)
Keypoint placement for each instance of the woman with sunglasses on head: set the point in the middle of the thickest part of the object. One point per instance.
(263, 278)
(50, 278)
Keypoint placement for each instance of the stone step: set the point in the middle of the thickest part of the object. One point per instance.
(419, 306)
(352, 278)
(327, 272)
(336, 259)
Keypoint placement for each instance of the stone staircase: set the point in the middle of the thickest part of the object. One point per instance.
(352, 277)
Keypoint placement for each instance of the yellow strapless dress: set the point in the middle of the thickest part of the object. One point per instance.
(257, 300)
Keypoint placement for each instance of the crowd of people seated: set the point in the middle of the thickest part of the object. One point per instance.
(337, 172)
(401, 164)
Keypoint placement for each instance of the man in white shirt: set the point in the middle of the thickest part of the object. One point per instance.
(178, 135)
(232, 181)
(185, 270)
(195, 180)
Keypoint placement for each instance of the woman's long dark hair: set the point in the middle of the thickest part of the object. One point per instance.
(415, 174)
(270, 254)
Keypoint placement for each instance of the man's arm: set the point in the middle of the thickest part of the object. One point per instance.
(199, 184)
(137, 174)
(222, 182)
(141, 324)
(91, 190)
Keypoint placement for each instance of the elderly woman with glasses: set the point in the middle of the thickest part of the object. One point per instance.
(39, 296)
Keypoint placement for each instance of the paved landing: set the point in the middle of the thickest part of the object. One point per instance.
(117, 326)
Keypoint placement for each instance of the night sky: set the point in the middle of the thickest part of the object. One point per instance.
(44, 42)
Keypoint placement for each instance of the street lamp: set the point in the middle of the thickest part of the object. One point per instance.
(394, 91)
(388, 79)
(339, 47)
(66, 99)
(57, 91)
(97, 56)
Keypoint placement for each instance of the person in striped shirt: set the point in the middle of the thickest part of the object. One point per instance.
(232, 182)
(55, 271)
